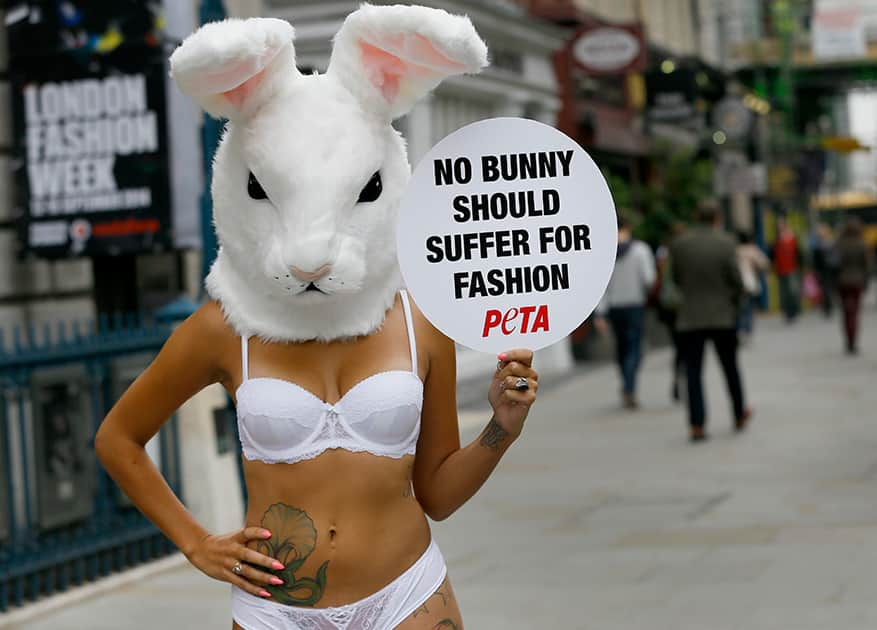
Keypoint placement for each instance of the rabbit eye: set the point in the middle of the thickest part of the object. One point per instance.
(254, 189)
(372, 189)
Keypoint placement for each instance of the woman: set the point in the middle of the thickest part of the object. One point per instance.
(854, 263)
(345, 394)
(343, 524)
(752, 262)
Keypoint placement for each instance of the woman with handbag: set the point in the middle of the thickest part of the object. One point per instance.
(753, 263)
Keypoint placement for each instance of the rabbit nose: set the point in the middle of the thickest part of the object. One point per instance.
(310, 276)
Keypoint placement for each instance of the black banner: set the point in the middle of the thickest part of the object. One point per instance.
(90, 136)
(671, 96)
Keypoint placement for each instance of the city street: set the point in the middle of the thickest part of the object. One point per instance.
(603, 519)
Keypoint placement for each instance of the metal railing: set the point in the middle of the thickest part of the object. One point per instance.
(62, 519)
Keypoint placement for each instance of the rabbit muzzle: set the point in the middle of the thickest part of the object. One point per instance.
(310, 276)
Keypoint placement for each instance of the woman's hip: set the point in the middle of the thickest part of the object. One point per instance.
(382, 610)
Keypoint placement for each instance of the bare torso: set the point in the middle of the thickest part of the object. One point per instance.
(369, 527)
(367, 523)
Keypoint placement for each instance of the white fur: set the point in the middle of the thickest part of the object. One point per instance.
(391, 28)
(313, 142)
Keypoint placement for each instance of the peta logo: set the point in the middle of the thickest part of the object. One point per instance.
(507, 323)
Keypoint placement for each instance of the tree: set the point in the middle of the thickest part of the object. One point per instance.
(679, 180)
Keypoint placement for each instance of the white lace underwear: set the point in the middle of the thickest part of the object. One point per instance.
(383, 610)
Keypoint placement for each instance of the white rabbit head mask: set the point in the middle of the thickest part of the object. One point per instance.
(309, 173)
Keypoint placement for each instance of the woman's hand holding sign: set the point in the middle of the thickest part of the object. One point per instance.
(511, 393)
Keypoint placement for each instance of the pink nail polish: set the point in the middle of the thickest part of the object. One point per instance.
(264, 594)
(277, 566)
(276, 581)
(266, 534)
(501, 356)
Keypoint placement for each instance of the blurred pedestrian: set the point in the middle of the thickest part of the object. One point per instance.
(753, 263)
(854, 266)
(667, 305)
(707, 274)
(625, 303)
(824, 262)
(787, 264)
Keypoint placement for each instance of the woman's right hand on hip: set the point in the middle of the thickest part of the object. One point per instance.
(227, 558)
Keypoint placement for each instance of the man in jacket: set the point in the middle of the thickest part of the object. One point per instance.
(708, 278)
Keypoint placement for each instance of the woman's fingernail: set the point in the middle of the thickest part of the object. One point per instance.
(275, 581)
(264, 594)
(501, 356)
(266, 533)
(276, 565)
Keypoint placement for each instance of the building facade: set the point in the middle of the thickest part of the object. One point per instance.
(519, 81)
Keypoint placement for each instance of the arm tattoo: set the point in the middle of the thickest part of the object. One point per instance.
(293, 540)
(494, 435)
(445, 623)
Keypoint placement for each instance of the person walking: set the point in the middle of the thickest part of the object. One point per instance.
(824, 261)
(667, 304)
(625, 303)
(752, 262)
(787, 264)
(707, 274)
(854, 266)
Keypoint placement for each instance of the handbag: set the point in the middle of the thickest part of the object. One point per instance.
(750, 279)
(811, 288)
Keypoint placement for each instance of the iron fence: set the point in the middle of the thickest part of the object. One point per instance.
(62, 519)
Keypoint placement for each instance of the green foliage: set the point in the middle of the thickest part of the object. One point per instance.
(677, 184)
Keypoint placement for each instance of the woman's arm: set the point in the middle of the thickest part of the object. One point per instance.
(445, 475)
(191, 359)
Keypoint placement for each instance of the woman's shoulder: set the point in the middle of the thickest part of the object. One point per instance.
(211, 317)
(428, 336)
(207, 328)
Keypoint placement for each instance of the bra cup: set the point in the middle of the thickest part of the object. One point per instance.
(388, 414)
(267, 434)
(390, 427)
(276, 398)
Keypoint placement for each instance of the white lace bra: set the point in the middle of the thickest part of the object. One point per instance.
(281, 422)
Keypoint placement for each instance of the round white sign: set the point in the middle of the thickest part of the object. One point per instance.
(507, 235)
(606, 49)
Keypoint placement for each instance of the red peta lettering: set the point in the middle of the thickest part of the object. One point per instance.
(507, 323)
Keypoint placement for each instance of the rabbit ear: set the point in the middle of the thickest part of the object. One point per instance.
(388, 57)
(232, 67)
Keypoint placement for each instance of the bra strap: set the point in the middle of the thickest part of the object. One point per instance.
(409, 321)
(245, 359)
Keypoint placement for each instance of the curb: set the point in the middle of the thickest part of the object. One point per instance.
(91, 589)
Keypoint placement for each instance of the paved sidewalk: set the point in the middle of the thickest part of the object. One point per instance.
(609, 520)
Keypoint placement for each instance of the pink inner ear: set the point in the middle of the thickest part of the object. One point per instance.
(383, 70)
(420, 51)
(239, 95)
(401, 56)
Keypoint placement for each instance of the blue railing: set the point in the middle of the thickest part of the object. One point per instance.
(62, 520)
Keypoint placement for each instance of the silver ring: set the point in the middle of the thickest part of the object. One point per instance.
(237, 568)
(522, 384)
(498, 366)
